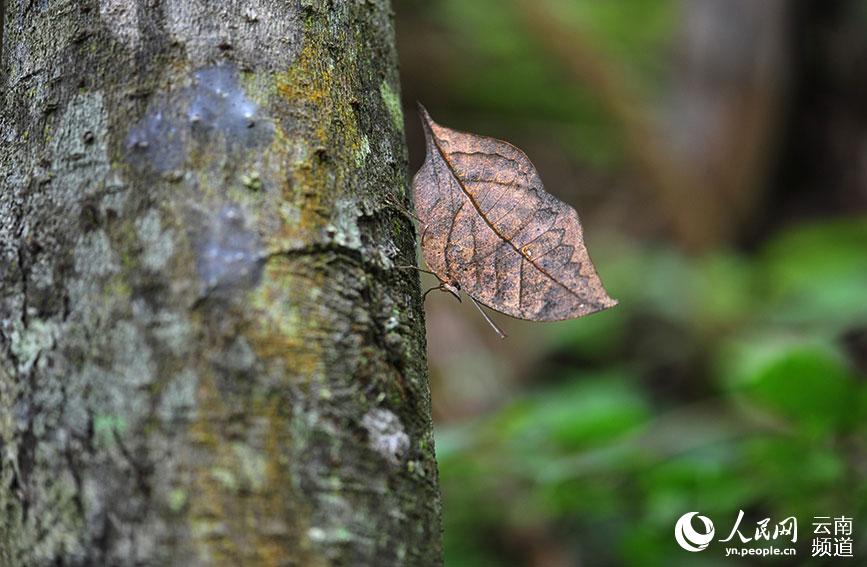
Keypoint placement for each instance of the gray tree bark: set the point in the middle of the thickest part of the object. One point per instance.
(207, 354)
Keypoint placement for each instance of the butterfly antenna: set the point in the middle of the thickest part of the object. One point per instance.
(488, 319)
(416, 268)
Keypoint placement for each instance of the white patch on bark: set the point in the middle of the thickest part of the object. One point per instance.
(343, 228)
(28, 342)
(240, 356)
(362, 152)
(94, 257)
(158, 244)
(178, 401)
(121, 17)
(386, 435)
(388, 250)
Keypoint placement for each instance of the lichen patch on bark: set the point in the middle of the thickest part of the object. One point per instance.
(386, 435)
(159, 244)
(392, 103)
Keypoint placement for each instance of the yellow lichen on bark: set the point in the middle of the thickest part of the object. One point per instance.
(324, 158)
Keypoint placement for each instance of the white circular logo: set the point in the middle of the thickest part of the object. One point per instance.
(687, 537)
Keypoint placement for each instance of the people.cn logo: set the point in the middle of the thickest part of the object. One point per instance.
(690, 539)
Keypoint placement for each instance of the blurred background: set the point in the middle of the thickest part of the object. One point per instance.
(716, 151)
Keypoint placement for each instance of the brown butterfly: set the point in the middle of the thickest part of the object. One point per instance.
(491, 230)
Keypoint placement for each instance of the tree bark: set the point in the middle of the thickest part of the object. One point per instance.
(207, 353)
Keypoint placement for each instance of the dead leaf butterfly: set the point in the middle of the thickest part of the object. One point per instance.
(490, 229)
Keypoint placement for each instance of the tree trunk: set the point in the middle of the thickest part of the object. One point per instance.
(207, 353)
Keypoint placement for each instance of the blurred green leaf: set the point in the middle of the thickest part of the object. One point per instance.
(818, 274)
(583, 413)
(702, 479)
(772, 461)
(807, 382)
(611, 26)
(650, 279)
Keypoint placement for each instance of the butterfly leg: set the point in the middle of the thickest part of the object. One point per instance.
(394, 203)
(416, 268)
(444, 286)
(424, 296)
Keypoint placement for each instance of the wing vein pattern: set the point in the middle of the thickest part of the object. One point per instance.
(527, 258)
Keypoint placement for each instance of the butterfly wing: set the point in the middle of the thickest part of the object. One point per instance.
(489, 225)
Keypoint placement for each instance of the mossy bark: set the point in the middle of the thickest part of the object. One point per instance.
(208, 354)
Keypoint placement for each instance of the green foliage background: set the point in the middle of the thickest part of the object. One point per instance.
(732, 379)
